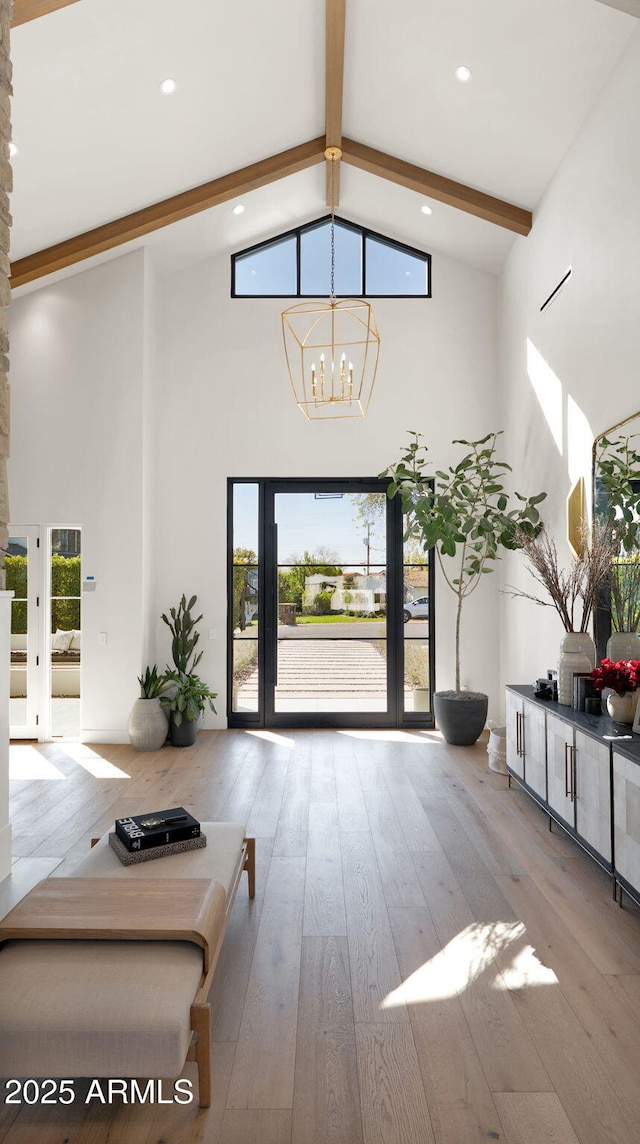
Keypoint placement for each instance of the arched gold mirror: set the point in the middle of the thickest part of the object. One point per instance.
(615, 483)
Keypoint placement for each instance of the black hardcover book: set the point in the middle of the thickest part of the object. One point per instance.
(158, 828)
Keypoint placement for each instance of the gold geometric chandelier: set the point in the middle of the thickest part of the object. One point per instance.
(331, 347)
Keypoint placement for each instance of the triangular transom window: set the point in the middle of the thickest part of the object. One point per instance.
(297, 265)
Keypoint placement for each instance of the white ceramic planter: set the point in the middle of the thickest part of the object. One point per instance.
(577, 654)
(622, 708)
(148, 725)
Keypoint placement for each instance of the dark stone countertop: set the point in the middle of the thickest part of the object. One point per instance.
(597, 726)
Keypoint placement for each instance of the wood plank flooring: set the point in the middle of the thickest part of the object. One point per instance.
(424, 961)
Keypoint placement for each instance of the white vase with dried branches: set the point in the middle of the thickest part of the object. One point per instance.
(573, 592)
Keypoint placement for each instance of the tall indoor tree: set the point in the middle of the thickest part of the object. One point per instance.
(465, 515)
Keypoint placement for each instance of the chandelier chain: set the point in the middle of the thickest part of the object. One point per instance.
(332, 169)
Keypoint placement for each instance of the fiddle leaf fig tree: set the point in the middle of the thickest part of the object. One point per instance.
(463, 513)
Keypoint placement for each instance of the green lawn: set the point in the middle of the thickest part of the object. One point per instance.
(340, 619)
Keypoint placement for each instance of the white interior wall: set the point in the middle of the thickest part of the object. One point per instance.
(134, 400)
(77, 456)
(586, 346)
(228, 410)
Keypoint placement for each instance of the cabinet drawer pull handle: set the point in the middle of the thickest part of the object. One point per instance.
(573, 774)
(567, 787)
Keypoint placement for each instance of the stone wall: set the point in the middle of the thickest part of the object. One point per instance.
(5, 289)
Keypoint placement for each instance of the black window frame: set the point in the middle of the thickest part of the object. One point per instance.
(396, 715)
(365, 233)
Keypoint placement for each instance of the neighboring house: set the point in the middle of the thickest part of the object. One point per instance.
(350, 592)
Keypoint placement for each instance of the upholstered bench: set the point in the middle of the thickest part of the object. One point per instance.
(110, 1008)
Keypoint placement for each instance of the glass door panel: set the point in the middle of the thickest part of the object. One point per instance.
(319, 579)
(65, 644)
(21, 567)
(417, 621)
(244, 590)
(331, 619)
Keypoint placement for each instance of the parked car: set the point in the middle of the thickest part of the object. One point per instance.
(416, 609)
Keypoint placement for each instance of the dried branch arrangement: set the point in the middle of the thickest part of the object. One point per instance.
(572, 591)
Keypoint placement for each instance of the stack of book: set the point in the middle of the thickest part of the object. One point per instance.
(156, 835)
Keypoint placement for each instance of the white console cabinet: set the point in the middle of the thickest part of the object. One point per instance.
(592, 793)
(526, 748)
(626, 818)
(584, 770)
(560, 759)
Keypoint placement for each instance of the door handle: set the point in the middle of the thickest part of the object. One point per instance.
(520, 734)
(574, 773)
(570, 771)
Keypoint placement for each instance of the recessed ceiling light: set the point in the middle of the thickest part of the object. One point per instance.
(238, 209)
(13, 150)
(463, 73)
(426, 209)
(168, 86)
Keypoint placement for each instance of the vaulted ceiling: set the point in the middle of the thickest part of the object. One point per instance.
(97, 140)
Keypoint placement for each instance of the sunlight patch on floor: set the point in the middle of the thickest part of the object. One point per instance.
(28, 763)
(525, 969)
(95, 764)
(272, 737)
(457, 966)
(386, 736)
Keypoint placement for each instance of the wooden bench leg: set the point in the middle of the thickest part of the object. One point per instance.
(201, 1025)
(250, 865)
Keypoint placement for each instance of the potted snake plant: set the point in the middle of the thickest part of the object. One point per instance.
(148, 724)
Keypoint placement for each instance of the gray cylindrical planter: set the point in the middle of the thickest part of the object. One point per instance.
(460, 715)
(148, 725)
(185, 734)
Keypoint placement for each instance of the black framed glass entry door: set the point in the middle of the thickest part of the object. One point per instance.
(329, 624)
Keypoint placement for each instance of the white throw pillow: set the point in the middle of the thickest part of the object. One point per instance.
(75, 640)
(61, 641)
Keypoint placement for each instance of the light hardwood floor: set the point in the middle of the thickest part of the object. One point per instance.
(424, 961)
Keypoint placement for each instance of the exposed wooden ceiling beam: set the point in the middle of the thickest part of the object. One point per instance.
(169, 210)
(630, 6)
(437, 187)
(334, 76)
(25, 10)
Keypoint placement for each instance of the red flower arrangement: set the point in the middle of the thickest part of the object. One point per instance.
(622, 676)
